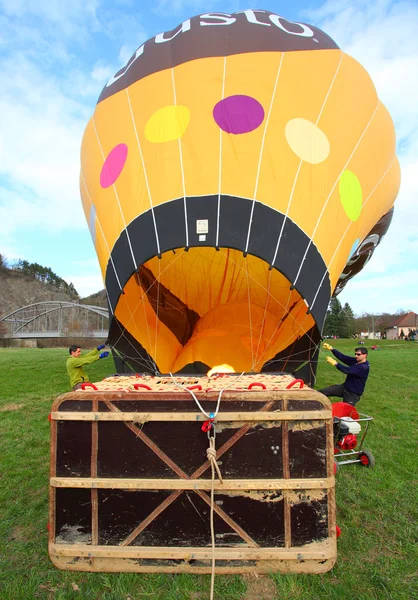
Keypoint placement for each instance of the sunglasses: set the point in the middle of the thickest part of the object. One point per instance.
(358, 353)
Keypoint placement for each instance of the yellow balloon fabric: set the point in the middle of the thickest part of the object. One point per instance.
(236, 173)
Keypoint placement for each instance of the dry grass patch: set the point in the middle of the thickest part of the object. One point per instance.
(10, 407)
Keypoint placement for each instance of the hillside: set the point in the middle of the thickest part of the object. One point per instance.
(96, 299)
(18, 289)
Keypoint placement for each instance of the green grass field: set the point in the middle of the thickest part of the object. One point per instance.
(377, 509)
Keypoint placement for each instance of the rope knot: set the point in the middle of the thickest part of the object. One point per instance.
(211, 454)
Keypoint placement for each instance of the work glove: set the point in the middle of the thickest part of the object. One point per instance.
(330, 360)
(327, 346)
(101, 346)
(104, 355)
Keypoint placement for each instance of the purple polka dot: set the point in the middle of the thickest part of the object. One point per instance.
(238, 114)
(113, 165)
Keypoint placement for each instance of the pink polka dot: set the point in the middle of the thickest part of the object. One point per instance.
(113, 165)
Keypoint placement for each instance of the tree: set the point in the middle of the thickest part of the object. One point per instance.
(347, 327)
(45, 275)
(339, 321)
(332, 320)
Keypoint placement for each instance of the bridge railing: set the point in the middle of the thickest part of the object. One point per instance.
(51, 319)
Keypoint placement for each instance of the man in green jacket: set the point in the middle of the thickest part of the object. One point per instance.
(76, 362)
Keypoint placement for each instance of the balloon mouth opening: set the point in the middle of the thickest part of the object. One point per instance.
(214, 307)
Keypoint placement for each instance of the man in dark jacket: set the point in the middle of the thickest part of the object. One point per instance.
(357, 373)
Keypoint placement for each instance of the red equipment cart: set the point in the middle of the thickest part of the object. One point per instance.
(350, 426)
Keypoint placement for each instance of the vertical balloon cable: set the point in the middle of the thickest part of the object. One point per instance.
(262, 150)
(156, 310)
(109, 303)
(181, 166)
(332, 189)
(117, 198)
(218, 216)
(282, 307)
(249, 313)
(261, 334)
(347, 229)
(145, 173)
(103, 235)
(331, 85)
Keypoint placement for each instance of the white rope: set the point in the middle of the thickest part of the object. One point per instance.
(145, 173)
(102, 232)
(220, 163)
(346, 231)
(295, 322)
(211, 455)
(262, 151)
(156, 312)
(117, 199)
(211, 415)
(249, 313)
(300, 163)
(331, 192)
(181, 166)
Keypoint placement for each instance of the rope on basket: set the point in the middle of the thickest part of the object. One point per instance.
(211, 454)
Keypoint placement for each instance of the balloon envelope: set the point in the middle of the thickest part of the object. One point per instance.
(235, 174)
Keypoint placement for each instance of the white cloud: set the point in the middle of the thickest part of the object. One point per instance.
(386, 293)
(85, 284)
(52, 69)
(382, 37)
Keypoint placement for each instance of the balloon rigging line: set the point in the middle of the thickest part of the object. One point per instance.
(264, 318)
(212, 414)
(132, 313)
(145, 315)
(332, 190)
(123, 328)
(293, 354)
(101, 230)
(287, 212)
(153, 366)
(220, 163)
(148, 363)
(259, 284)
(181, 165)
(108, 302)
(348, 227)
(117, 197)
(301, 162)
(277, 302)
(118, 353)
(145, 172)
(156, 312)
(249, 314)
(145, 292)
(330, 87)
(273, 96)
(279, 323)
(141, 359)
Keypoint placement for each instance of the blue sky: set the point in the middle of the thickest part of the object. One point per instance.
(55, 58)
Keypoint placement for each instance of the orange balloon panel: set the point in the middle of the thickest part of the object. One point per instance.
(231, 176)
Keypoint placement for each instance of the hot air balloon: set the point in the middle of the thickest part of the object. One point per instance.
(234, 175)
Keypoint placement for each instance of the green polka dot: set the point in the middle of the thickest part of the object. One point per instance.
(351, 195)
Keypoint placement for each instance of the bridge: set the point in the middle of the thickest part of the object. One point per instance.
(53, 319)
